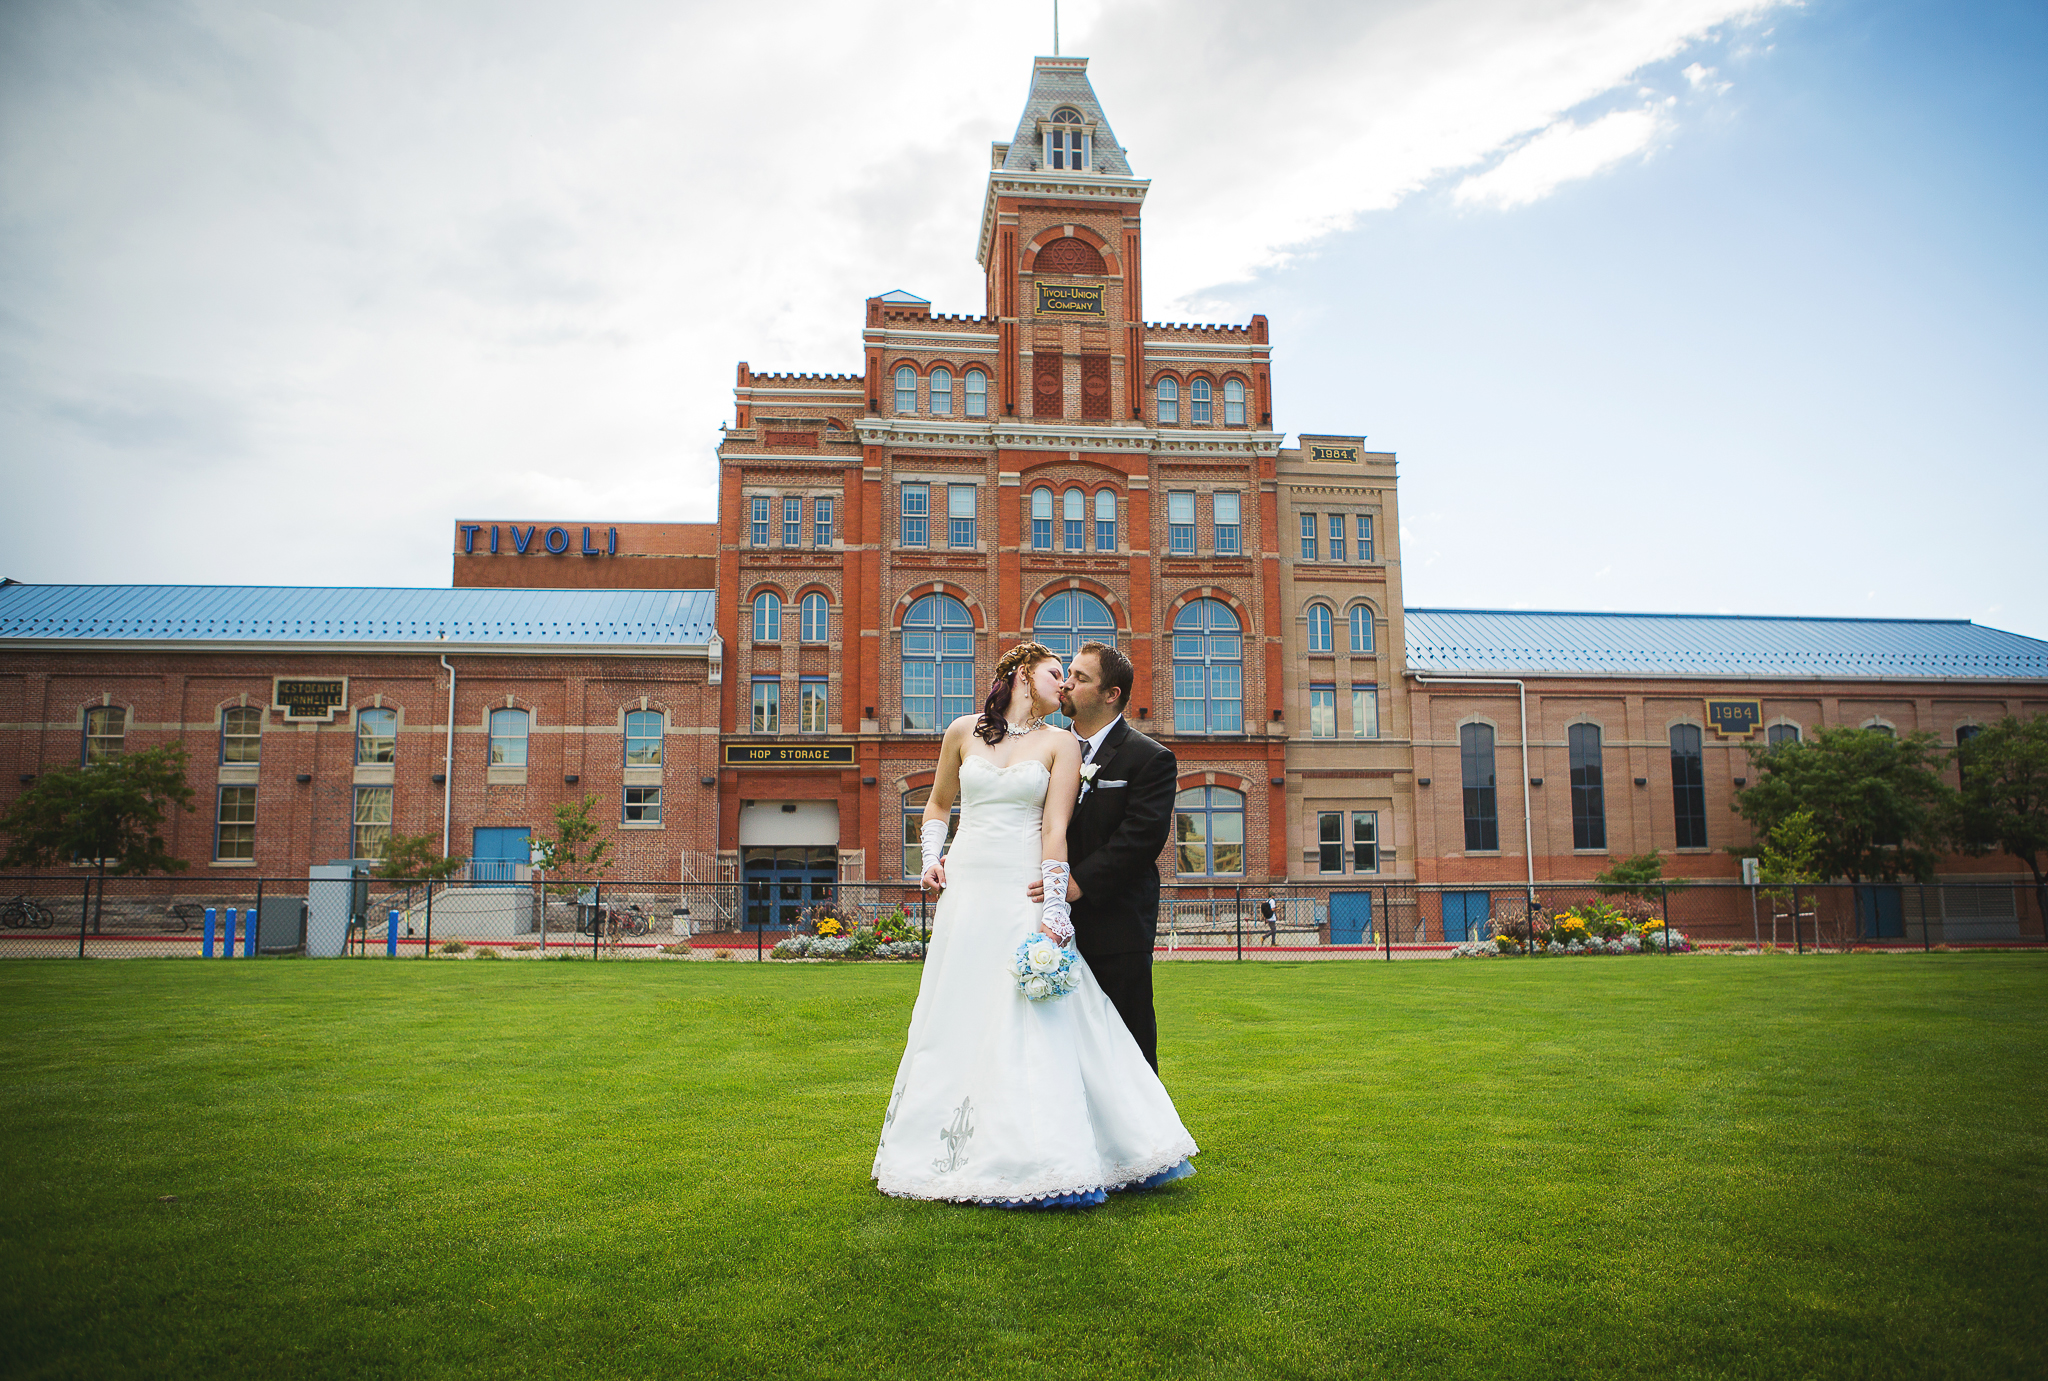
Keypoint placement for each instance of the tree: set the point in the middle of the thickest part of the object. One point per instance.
(580, 847)
(111, 812)
(414, 858)
(2004, 801)
(1875, 803)
(1639, 875)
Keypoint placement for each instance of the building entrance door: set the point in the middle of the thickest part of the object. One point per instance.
(1466, 915)
(498, 853)
(789, 859)
(1350, 918)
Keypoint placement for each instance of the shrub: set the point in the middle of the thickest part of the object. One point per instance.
(453, 947)
(486, 952)
(723, 954)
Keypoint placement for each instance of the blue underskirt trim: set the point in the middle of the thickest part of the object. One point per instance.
(1088, 1198)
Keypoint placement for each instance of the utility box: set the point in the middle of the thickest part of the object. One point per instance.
(281, 926)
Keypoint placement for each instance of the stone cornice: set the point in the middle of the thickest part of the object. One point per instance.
(1068, 186)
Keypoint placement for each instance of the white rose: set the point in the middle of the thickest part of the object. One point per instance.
(1037, 989)
(1043, 956)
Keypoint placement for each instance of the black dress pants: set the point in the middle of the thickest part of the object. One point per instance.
(1127, 978)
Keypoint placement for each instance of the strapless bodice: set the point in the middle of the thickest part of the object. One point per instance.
(1001, 810)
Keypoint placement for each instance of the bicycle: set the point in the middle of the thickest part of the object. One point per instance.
(180, 915)
(22, 913)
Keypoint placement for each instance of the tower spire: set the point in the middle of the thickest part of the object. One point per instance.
(1055, 28)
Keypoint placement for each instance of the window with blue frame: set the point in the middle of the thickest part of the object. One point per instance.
(767, 617)
(1336, 536)
(642, 806)
(1208, 832)
(1180, 523)
(1233, 403)
(1105, 520)
(821, 522)
(814, 619)
(1322, 712)
(810, 705)
(1365, 711)
(1041, 520)
(1073, 520)
(917, 516)
(940, 387)
(977, 393)
(960, 515)
(1067, 620)
(1365, 537)
(643, 738)
(1229, 530)
(1319, 628)
(1168, 393)
(792, 522)
(376, 736)
(1482, 808)
(508, 740)
(1308, 537)
(906, 391)
(938, 664)
(1361, 628)
(1208, 669)
(1201, 411)
(757, 527)
(767, 705)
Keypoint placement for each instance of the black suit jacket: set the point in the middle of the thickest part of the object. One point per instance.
(1114, 840)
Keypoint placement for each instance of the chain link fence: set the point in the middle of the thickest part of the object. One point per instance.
(339, 912)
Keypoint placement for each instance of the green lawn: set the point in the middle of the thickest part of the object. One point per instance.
(1753, 1167)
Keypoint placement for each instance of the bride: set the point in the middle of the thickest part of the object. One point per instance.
(1000, 1100)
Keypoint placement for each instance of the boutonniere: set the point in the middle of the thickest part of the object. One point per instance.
(1088, 771)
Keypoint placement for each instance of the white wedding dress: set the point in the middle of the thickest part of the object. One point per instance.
(1000, 1100)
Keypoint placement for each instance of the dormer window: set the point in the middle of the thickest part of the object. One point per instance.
(1066, 141)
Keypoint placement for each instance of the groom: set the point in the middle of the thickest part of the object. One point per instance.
(1119, 827)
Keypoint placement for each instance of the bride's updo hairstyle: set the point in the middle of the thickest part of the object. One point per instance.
(994, 724)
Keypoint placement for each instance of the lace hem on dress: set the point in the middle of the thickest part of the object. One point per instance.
(1170, 1165)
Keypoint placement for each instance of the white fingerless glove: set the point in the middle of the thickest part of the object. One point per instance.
(932, 841)
(1058, 917)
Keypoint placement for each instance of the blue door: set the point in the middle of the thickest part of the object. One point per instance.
(496, 854)
(1350, 918)
(1466, 915)
(1880, 913)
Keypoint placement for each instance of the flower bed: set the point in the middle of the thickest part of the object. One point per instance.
(1628, 925)
(890, 937)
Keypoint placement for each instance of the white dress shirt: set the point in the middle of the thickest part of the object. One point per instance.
(1093, 743)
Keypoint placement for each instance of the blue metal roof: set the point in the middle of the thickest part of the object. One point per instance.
(278, 616)
(1722, 646)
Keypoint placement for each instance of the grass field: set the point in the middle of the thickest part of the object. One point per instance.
(1691, 1167)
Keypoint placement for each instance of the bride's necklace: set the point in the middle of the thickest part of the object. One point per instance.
(1035, 722)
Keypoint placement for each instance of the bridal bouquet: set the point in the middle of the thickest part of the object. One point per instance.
(1043, 968)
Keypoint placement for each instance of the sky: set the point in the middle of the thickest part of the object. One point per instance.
(1666, 305)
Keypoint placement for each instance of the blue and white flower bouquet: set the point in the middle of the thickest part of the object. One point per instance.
(1043, 968)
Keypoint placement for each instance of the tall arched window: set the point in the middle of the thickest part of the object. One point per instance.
(938, 664)
(1066, 142)
(767, 617)
(1208, 832)
(1041, 520)
(1319, 628)
(816, 619)
(977, 393)
(1200, 411)
(913, 827)
(1073, 519)
(1688, 787)
(376, 736)
(942, 392)
(1361, 628)
(1482, 807)
(1067, 620)
(1233, 402)
(1589, 805)
(643, 738)
(508, 738)
(1168, 391)
(1105, 520)
(906, 391)
(1208, 670)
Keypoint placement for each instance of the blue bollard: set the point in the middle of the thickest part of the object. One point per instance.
(206, 950)
(227, 934)
(391, 936)
(249, 933)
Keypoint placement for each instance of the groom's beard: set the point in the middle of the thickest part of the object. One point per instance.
(1066, 705)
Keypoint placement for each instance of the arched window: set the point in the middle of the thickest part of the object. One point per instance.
(1066, 141)
(106, 729)
(1319, 628)
(1208, 670)
(1785, 733)
(1482, 807)
(1041, 520)
(1168, 392)
(1688, 787)
(977, 393)
(1208, 832)
(942, 392)
(508, 738)
(643, 738)
(241, 734)
(906, 391)
(815, 619)
(1073, 519)
(1105, 520)
(913, 826)
(1200, 411)
(1361, 628)
(1589, 806)
(377, 736)
(1233, 402)
(938, 664)
(1067, 620)
(767, 617)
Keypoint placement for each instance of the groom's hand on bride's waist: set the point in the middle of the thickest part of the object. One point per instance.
(1037, 890)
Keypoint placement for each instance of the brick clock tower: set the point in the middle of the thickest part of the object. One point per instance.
(1055, 468)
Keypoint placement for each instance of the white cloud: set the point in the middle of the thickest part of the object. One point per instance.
(1562, 153)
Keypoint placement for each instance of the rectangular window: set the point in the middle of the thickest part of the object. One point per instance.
(372, 822)
(1589, 806)
(376, 736)
(1229, 538)
(1365, 537)
(792, 522)
(106, 728)
(960, 515)
(234, 834)
(643, 805)
(1308, 537)
(917, 516)
(1330, 841)
(821, 522)
(1365, 712)
(757, 525)
(767, 707)
(1105, 520)
(1322, 712)
(1688, 787)
(1365, 841)
(1180, 523)
(1475, 760)
(643, 738)
(1336, 537)
(241, 734)
(1041, 520)
(810, 705)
